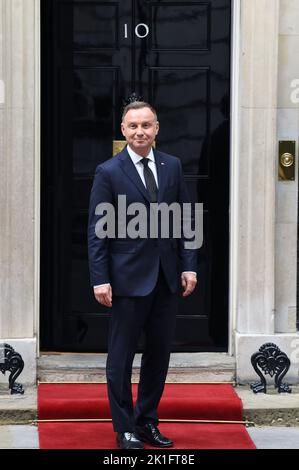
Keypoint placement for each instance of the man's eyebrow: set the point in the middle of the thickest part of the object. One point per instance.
(143, 122)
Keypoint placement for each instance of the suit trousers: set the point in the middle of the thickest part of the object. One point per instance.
(155, 315)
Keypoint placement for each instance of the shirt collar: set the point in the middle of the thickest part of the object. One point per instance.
(137, 158)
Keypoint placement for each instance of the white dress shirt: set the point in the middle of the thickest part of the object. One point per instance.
(136, 159)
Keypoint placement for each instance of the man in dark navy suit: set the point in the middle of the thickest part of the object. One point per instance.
(139, 276)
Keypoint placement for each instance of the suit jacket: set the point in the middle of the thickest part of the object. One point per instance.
(131, 266)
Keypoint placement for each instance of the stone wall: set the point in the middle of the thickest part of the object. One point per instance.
(286, 192)
(265, 212)
(19, 179)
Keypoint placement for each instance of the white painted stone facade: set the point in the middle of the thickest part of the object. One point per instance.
(19, 186)
(263, 210)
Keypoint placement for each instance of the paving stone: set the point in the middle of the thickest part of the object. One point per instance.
(19, 437)
(275, 438)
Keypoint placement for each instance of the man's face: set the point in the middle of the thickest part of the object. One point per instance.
(140, 128)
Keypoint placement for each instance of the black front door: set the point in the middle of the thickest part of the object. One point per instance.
(176, 55)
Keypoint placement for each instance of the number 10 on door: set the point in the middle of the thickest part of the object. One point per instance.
(141, 30)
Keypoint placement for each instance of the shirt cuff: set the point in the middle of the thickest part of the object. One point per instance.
(100, 285)
(190, 272)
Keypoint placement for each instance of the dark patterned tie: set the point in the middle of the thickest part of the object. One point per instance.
(150, 181)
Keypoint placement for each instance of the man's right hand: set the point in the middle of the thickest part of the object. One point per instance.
(103, 294)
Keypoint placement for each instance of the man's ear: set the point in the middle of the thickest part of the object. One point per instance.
(158, 127)
(122, 128)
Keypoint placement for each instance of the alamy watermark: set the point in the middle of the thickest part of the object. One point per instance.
(295, 92)
(177, 220)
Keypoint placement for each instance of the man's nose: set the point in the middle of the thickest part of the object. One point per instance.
(139, 131)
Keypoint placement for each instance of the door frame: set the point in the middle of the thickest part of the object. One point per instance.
(234, 171)
(234, 165)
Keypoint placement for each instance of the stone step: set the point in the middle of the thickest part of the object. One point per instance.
(18, 409)
(271, 409)
(184, 367)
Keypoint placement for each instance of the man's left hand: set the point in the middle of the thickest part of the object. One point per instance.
(189, 282)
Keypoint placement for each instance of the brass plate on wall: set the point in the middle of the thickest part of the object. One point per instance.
(118, 145)
(287, 160)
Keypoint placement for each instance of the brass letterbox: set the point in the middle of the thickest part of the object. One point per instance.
(287, 160)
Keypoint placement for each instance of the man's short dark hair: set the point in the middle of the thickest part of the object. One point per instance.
(138, 105)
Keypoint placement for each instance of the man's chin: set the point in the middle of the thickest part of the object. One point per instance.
(141, 145)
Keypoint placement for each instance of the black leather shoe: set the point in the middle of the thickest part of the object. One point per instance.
(150, 433)
(128, 440)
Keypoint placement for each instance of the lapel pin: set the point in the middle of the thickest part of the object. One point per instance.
(162, 163)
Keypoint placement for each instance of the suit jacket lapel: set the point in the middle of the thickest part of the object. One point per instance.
(129, 169)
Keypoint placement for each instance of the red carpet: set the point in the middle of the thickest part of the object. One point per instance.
(179, 401)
